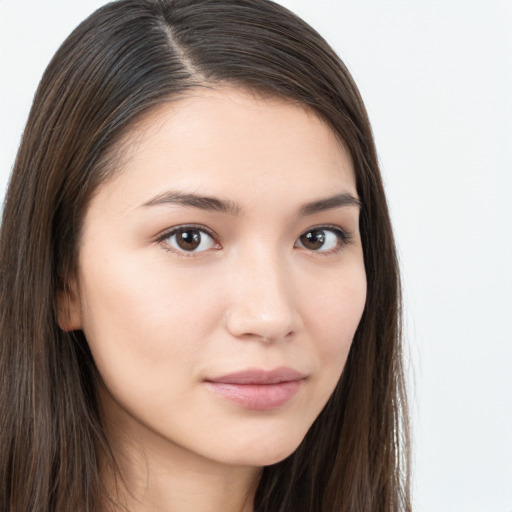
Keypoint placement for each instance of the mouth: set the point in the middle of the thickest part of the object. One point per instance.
(258, 389)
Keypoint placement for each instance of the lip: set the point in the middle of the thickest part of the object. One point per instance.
(258, 389)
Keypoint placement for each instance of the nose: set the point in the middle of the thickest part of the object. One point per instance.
(262, 300)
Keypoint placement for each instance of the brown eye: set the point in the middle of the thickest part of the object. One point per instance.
(313, 239)
(189, 240)
(322, 239)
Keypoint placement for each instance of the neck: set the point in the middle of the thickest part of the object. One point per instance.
(154, 474)
(153, 484)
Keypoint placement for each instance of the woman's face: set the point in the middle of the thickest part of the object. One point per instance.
(220, 278)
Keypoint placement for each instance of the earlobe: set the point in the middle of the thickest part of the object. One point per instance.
(69, 317)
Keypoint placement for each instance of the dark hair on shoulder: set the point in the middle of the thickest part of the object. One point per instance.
(125, 59)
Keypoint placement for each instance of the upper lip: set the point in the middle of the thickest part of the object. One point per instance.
(259, 376)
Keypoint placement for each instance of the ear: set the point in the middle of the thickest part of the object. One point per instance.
(69, 314)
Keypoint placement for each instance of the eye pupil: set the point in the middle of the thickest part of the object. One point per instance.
(189, 239)
(313, 239)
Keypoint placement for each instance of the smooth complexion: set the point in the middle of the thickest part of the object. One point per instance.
(220, 282)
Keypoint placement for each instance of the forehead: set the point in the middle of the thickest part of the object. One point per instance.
(231, 142)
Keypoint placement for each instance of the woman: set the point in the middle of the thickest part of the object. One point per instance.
(200, 295)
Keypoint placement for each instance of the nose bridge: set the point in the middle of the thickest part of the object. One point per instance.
(262, 301)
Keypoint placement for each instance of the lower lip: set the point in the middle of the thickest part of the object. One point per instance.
(258, 397)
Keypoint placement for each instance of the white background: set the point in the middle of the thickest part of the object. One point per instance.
(436, 76)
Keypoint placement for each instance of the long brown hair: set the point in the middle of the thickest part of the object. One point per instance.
(126, 58)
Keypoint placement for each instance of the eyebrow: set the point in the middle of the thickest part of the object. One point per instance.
(229, 207)
(212, 204)
(329, 203)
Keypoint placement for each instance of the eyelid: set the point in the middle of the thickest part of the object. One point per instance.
(345, 238)
(164, 235)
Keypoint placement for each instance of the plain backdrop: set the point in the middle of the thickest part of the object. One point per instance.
(436, 76)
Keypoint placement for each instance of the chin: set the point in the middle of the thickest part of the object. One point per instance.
(264, 452)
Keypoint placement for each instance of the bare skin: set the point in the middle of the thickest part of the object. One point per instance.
(227, 243)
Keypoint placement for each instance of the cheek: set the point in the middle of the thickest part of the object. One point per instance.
(141, 317)
(334, 315)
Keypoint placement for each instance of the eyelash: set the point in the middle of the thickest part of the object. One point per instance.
(185, 254)
(344, 238)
